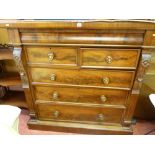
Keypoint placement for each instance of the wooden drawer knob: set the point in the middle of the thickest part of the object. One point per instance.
(53, 77)
(55, 95)
(56, 114)
(100, 117)
(103, 98)
(108, 59)
(106, 80)
(50, 56)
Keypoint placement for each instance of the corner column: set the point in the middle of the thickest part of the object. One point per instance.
(19, 59)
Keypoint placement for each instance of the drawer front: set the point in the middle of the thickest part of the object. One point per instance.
(105, 78)
(109, 58)
(80, 95)
(79, 113)
(52, 55)
(89, 37)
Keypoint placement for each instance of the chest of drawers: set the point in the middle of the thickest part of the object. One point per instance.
(82, 79)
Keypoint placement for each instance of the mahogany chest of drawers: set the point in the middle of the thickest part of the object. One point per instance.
(81, 76)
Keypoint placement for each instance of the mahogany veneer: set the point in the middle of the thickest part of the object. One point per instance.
(84, 76)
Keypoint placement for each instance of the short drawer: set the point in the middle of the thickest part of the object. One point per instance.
(88, 77)
(52, 55)
(79, 113)
(80, 95)
(109, 58)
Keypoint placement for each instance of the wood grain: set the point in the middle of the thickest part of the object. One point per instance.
(81, 53)
(77, 113)
(82, 128)
(86, 24)
(6, 54)
(87, 77)
(149, 39)
(85, 38)
(4, 39)
(81, 95)
(14, 37)
(121, 58)
(10, 79)
(62, 56)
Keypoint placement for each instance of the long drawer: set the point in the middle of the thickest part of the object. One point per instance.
(52, 55)
(79, 113)
(109, 58)
(88, 77)
(80, 95)
(89, 37)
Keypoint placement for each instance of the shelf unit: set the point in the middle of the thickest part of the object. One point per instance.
(6, 54)
(15, 98)
(10, 78)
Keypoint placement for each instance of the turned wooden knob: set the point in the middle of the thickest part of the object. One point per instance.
(103, 98)
(100, 117)
(55, 95)
(56, 114)
(106, 80)
(53, 77)
(108, 59)
(50, 56)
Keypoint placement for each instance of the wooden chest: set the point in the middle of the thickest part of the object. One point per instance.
(84, 76)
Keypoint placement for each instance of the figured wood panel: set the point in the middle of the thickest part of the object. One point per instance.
(80, 95)
(118, 58)
(88, 77)
(84, 38)
(61, 55)
(67, 100)
(78, 113)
